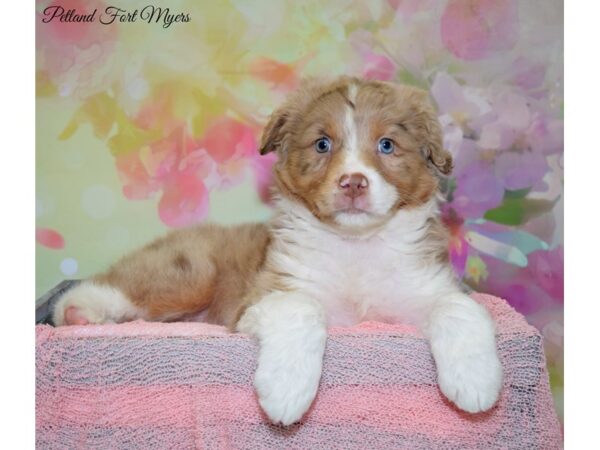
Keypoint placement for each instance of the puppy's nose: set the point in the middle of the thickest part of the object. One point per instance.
(354, 185)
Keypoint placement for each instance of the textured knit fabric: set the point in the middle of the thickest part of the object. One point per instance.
(144, 385)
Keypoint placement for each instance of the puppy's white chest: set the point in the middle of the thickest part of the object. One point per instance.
(366, 283)
(355, 280)
(382, 277)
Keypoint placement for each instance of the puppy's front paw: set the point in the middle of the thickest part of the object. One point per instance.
(286, 388)
(472, 382)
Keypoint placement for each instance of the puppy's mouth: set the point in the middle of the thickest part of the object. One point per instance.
(352, 210)
(356, 218)
(352, 206)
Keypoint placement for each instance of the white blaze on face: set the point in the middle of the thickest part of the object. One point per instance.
(350, 130)
(380, 195)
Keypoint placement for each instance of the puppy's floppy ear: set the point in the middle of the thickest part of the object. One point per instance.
(434, 150)
(424, 120)
(273, 132)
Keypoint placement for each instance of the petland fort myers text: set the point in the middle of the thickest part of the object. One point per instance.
(113, 14)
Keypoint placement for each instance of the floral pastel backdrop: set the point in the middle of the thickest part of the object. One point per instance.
(141, 128)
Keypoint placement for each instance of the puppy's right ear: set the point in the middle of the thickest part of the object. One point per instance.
(273, 132)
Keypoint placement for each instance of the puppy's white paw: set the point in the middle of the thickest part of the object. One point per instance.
(286, 388)
(89, 303)
(292, 333)
(472, 382)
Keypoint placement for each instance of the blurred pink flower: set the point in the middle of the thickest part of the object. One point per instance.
(233, 147)
(184, 200)
(545, 134)
(368, 63)
(49, 238)
(409, 7)
(463, 110)
(527, 74)
(230, 144)
(226, 139)
(74, 55)
(174, 165)
(378, 67)
(511, 119)
(472, 29)
(530, 289)
(186, 169)
(186, 172)
(157, 112)
(514, 123)
(137, 183)
(472, 124)
(520, 170)
(546, 269)
(477, 190)
(144, 170)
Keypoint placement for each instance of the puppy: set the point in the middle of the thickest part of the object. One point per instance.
(356, 236)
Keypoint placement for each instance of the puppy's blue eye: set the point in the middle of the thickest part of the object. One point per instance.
(323, 145)
(386, 146)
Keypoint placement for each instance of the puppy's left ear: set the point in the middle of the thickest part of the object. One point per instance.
(427, 126)
(273, 133)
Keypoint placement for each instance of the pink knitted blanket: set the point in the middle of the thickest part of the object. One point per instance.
(144, 385)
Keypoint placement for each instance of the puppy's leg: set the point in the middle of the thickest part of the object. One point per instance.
(462, 339)
(291, 331)
(166, 280)
(138, 287)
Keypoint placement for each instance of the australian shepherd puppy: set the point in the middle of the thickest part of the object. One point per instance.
(356, 236)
